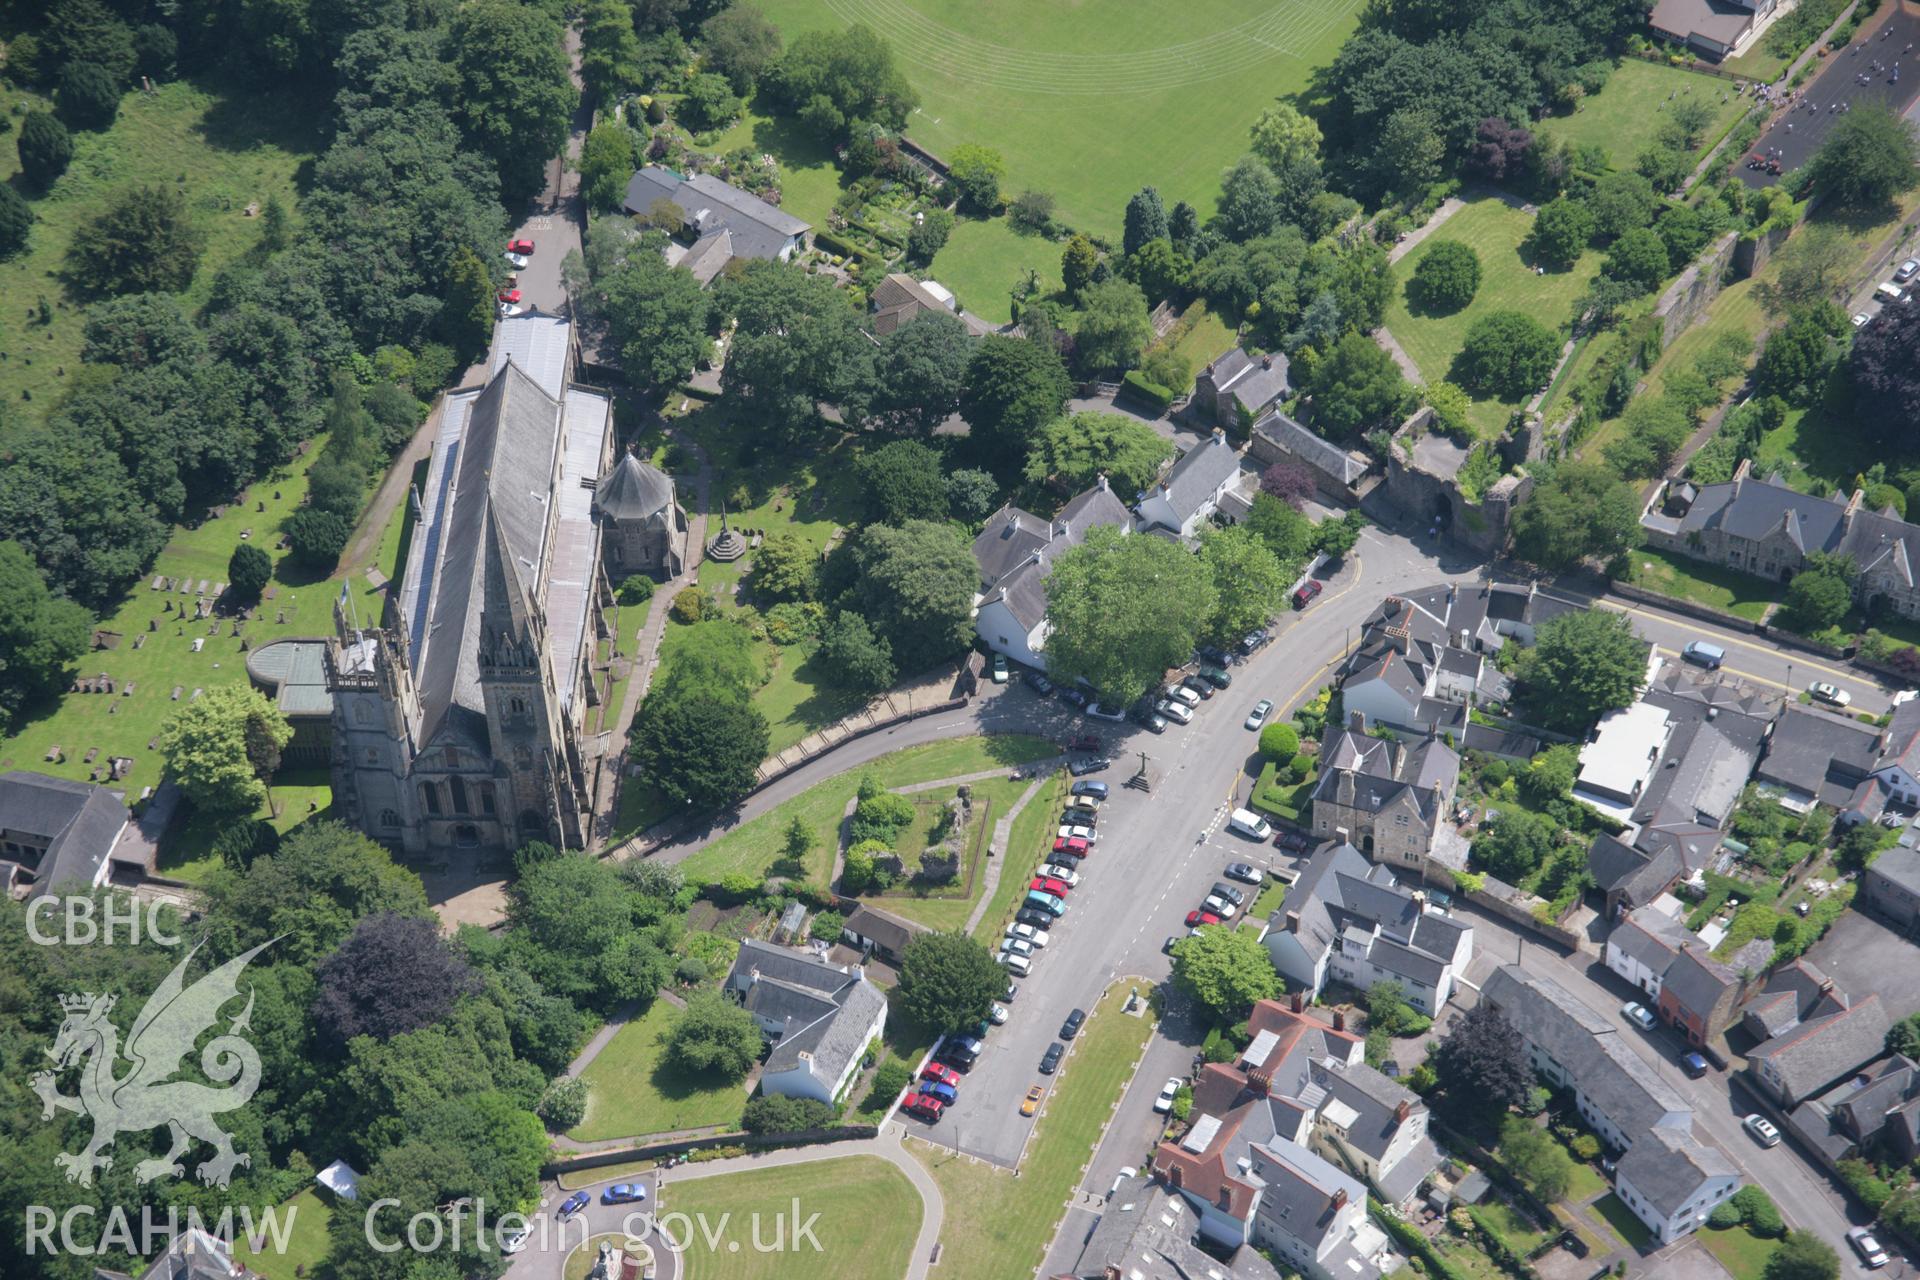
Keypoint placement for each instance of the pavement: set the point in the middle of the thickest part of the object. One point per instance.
(1798, 131)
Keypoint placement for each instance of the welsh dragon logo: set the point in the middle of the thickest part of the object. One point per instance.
(147, 1097)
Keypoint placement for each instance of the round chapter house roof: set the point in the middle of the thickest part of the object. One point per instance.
(633, 490)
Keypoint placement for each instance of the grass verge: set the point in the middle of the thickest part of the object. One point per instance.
(868, 1217)
(631, 1091)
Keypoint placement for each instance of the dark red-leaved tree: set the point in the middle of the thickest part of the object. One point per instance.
(393, 974)
(1885, 367)
(1481, 1064)
(1499, 149)
(1291, 482)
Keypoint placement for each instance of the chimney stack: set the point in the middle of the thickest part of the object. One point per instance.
(1339, 1199)
(1299, 1001)
(1293, 926)
(1357, 721)
(1339, 1019)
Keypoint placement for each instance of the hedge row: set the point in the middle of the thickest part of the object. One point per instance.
(1161, 398)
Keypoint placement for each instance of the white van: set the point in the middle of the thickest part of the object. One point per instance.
(1250, 824)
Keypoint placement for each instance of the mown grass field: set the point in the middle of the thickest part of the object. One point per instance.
(309, 1217)
(1494, 230)
(222, 152)
(869, 1218)
(631, 1090)
(985, 259)
(1092, 102)
(1007, 1222)
(1626, 115)
(753, 846)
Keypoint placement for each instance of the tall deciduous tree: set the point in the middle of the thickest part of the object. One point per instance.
(902, 481)
(658, 316)
(921, 370)
(1080, 447)
(740, 44)
(1356, 386)
(1249, 582)
(1014, 387)
(1884, 366)
(393, 974)
(948, 981)
(608, 157)
(309, 893)
(1482, 1063)
(829, 79)
(1507, 355)
(142, 242)
(1114, 325)
(1870, 157)
(977, 172)
(1123, 609)
(1284, 135)
(1581, 666)
(516, 92)
(16, 220)
(1582, 509)
(797, 342)
(714, 1038)
(1224, 971)
(914, 585)
(205, 744)
(701, 747)
(1536, 1158)
(41, 637)
(1560, 232)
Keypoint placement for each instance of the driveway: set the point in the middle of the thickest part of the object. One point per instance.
(552, 1240)
(1864, 957)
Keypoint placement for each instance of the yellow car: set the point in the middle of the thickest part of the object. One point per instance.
(1032, 1104)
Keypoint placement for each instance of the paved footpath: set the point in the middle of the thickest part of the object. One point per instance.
(997, 850)
(887, 1147)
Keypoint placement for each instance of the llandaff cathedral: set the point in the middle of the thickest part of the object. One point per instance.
(461, 722)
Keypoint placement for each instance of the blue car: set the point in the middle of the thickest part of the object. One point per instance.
(574, 1204)
(623, 1193)
(945, 1092)
(1694, 1065)
(1098, 790)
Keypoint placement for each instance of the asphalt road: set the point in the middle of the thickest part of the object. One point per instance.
(1813, 116)
(552, 1240)
(1720, 1102)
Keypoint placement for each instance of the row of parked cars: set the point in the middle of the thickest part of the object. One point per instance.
(938, 1087)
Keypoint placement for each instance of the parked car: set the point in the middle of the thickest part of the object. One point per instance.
(1074, 698)
(1831, 694)
(518, 261)
(1198, 686)
(1253, 640)
(1250, 824)
(940, 1071)
(1091, 742)
(1107, 711)
(1694, 1065)
(1051, 1058)
(1082, 811)
(1013, 991)
(1864, 1244)
(1031, 1103)
(924, 1106)
(1245, 874)
(1889, 292)
(947, 1094)
(1762, 1130)
(516, 1240)
(1034, 936)
(1000, 673)
(508, 310)
(1197, 918)
(1098, 790)
(509, 295)
(1054, 871)
(1238, 897)
(1212, 655)
(1037, 682)
(1072, 857)
(1182, 693)
(1016, 964)
(1075, 832)
(1178, 712)
(1014, 945)
(998, 1014)
(1307, 593)
(1258, 716)
(623, 1193)
(1071, 1027)
(1639, 1015)
(1164, 1103)
(1861, 319)
(1073, 845)
(522, 247)
(1038, 919)
(1704, 654)
(1219, 906)
(1047, 884)
(1152, 721)
(1167, 946)
(573, 1204)
(1089, 764)
(1907, 270)
(1046, 902)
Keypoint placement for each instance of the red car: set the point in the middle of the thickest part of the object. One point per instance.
(1072, 844)
(1197, 918)
(1047, 884)
(1307, 593)
(942, 1072)
(509, 295)
(520, 246)
(925, 1107)
(1085, 742)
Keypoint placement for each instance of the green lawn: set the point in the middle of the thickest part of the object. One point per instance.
(1585, 1182)
(1267, 901)
(1816, 451)
(1713, 585)
(1493, 230)
(307, 1216)
(985, 259)
(1621, 1220)
(1091, 102)
(631, 1091)
(223, 152)
(809, 178)
(1031, 837)
(1626, 115)
(753, 846)
(121, 723)
(1740, 1251)
(950, 908)
(1521, 1231)
(1206, 336)
(869, 1216)
(1005, 1223)
(297, 796)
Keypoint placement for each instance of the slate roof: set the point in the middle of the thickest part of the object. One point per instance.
(1253, 381)
(1372, 1096)
(1903, 738)
(193, 1254)
(900, 299)
(1146, 1231)
(1015, 551)
(1198, 475)
(633, 490)
(1649, 936)
(1367, 773)
(890, 932)
(1866, 1109)
(759, 230)
(1669, 1168)
(1879, 542)
(1719, 21)
(1301, 1190)
(1700, 776)
(1316, 451)
(80, 820)
(1819, 755)
(1819, 1050)
(1898, 866)
(1339, 890)
(827, 1010)
(1697, 980)
(1791, 992)
(1009, 539)
(1638, 875)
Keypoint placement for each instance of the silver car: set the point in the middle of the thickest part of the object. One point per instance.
(1258, 716)
(1639, 1015)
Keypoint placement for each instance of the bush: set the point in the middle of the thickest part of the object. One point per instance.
(1279, 741)
(1161, 398)
(89, 99)
(689, 605)
(773, 1113)
(890, 1078)
(142, 241)
(792, 621)
(1867, 1186)
(248, 571)
(881, 817)
(636, 589)
(1299, 767)
(825, 926)
(16, 220)
(1586, 1146)
(564, 1104)
(1757, 1210)
(1446, 279)
(46, 149)
(1725, 1216)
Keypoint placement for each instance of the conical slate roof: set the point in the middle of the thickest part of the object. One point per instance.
(633, 490)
